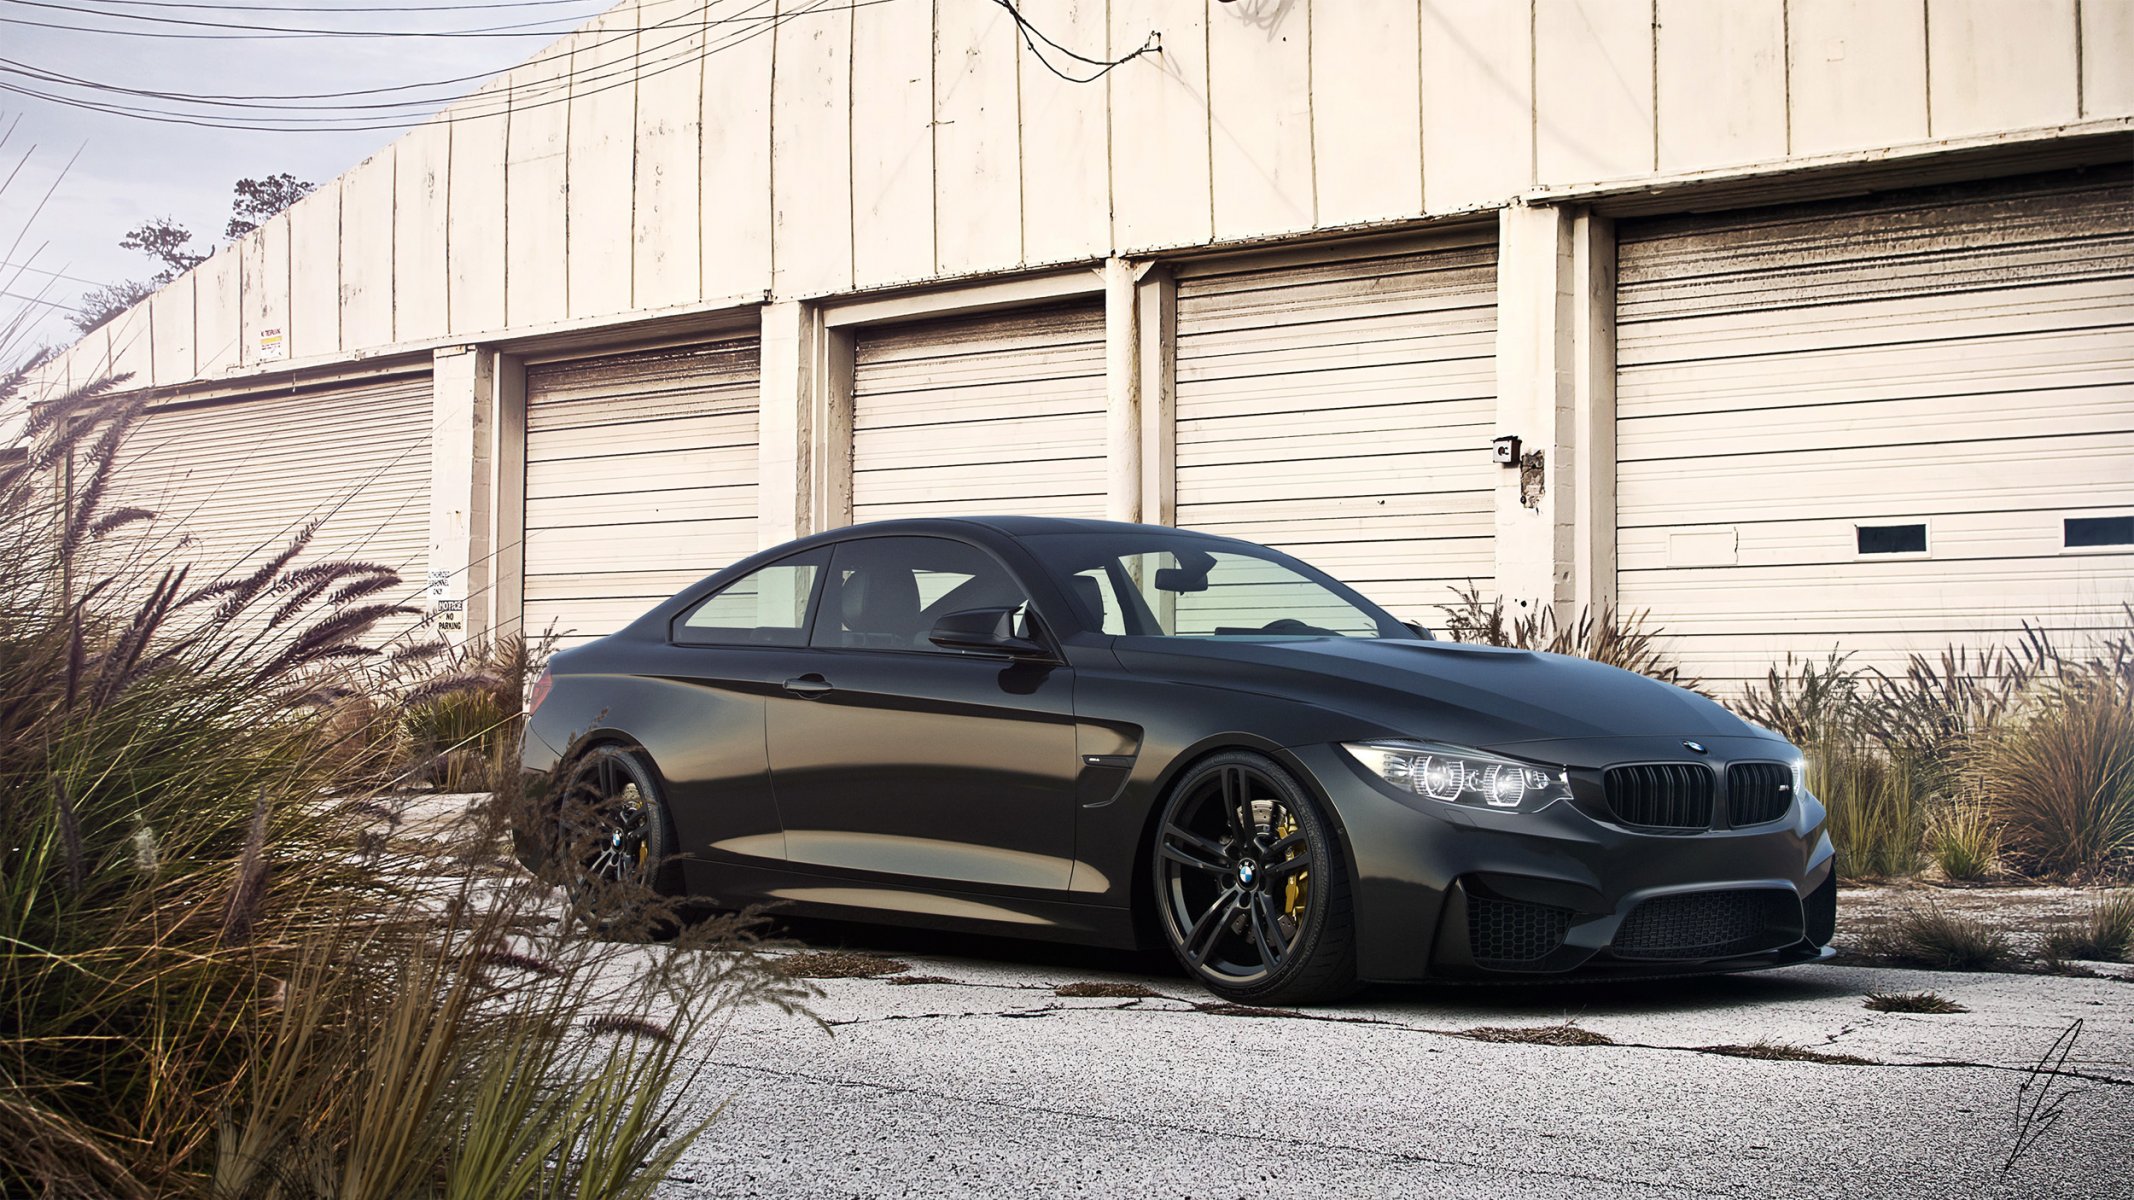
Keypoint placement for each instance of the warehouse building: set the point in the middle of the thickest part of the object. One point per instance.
(1800, 323)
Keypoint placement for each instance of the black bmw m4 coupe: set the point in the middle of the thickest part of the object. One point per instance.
(1105, 733)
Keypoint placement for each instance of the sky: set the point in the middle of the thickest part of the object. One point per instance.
(130, 170)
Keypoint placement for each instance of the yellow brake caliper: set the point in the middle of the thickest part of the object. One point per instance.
(1297, 890)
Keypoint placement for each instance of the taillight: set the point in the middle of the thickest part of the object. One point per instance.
(539, 692)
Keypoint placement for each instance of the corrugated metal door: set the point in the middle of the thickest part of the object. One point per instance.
(1341, 410)
(997, 413)
(640, 479)
(1955, 365)
(241, 476)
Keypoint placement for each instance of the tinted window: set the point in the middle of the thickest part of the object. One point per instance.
(1182, 585)
(1893, 539)
(767, 607)
(887, 592)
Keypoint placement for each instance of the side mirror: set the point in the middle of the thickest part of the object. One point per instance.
(988, 630)
(1420, 630)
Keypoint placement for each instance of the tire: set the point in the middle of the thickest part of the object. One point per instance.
(1251, 891)
(614, 837)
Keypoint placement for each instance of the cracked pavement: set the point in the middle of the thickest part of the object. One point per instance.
(991, 1084)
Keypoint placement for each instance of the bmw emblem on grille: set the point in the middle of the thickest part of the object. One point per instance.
(1697, 747)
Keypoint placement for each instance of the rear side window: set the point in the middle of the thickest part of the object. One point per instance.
(766, 607)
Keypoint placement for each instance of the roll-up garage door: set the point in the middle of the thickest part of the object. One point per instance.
(1341, 410)
(1879, 425)
(640, 479)
(998, 413)
(241, 476)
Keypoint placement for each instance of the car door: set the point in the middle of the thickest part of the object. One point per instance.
(897, 758)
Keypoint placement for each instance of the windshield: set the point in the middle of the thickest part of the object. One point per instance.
(1178, 585)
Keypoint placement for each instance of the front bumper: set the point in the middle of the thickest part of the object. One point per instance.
(1448, 891)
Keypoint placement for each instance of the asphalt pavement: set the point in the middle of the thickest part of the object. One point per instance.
(981, 1079)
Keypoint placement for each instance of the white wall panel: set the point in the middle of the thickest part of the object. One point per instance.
(366, 251)
(479, 246)
(130, 348)
(422, 181)
(1960, 358)
(1857, 74)
(2001, 64)
(736, 202)
(1478, 102)
(219, 311)
(977, 139)
(1366, 111)
(1721, 80)
(1066, 151)
(2107, 33)
(998, 413)
(666, 259)
(537, 192)
(314, 225)
(892, 147)
(1260, 95)
(640, 478)
(811, 140)
(263, 260)
(170, 317)
(1341, 410)
(602, 156)
(1593, 89)
(1159, 125)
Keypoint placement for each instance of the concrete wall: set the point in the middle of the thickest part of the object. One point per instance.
(675, 156)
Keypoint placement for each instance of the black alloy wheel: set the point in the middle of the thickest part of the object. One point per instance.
(1250, 889)
(612, 827)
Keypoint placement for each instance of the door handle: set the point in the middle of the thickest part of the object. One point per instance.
(808, 686)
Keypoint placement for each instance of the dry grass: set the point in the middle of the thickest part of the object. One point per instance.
(1781, 1052)
(1094, 990)
(1564, 1034)
(2105, 934)
(1965, 842)
(916, 980)
(1932, 937)
(2060, 780)
(1912, 1002)
(225, 978)
(837, 964)
(1617, 638)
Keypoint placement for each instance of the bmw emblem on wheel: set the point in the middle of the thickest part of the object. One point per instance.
(1247, 871)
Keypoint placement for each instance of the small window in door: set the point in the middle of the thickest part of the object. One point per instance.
(2088, 533)
(766, 607)
(1892, 539)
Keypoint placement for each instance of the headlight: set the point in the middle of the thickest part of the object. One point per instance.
(1457, 775)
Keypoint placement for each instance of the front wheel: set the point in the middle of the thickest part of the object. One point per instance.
(1250, 888)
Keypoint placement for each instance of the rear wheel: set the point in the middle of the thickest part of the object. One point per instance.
(613, 837)
(1250, 888)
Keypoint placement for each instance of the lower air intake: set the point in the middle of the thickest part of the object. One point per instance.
(1710, 925)
(1513, 932)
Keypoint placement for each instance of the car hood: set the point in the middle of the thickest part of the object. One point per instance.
(1481, 696)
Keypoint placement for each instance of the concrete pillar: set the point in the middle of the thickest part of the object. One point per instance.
(507, 537)
(1122, 392)
(463, 422)
(804, 425)
(1555, 388)
(1156, 296)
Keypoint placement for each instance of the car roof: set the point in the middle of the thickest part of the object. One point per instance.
(1014, 526)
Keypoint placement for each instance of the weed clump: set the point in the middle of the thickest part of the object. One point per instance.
(1912, 1002)
(1932, 937)
(2104, 934)
(1564, 1034)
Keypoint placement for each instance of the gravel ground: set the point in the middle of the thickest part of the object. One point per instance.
(981, 1078)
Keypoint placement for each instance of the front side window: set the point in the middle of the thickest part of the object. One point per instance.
(766, 607)
(1164, 585)
(887, 592)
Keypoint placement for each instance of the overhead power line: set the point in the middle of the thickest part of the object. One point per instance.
(290, 114)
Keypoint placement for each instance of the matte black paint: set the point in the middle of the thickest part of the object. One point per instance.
(1014, 795)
